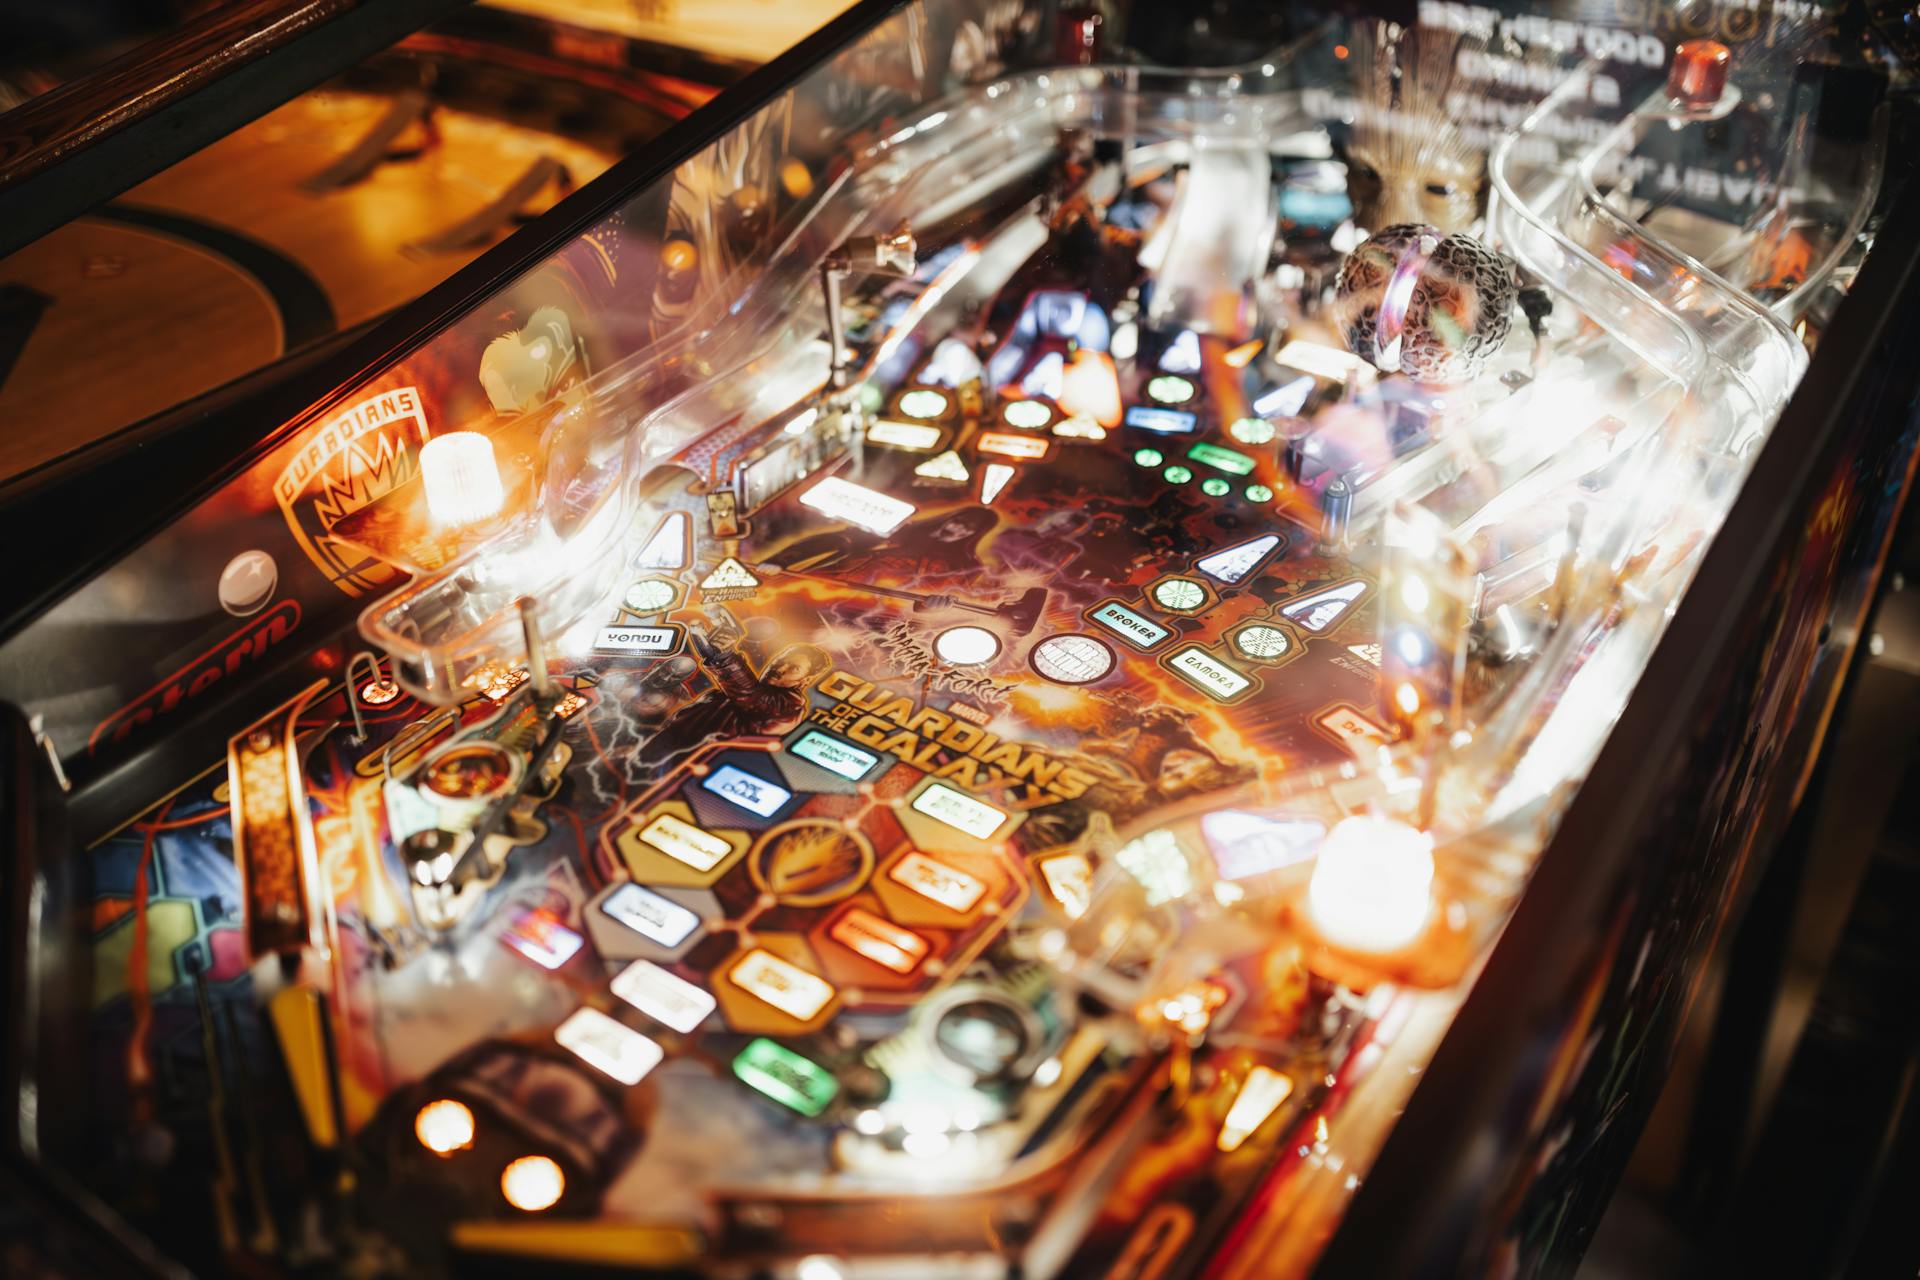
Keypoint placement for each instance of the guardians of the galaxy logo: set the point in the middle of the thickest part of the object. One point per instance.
(945, 745)
(346, 463)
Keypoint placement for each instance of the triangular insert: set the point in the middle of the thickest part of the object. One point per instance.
(1231, 564)
(993, 480)
(671, 545)
(730, 574)
(1319, 611)
(944, 466)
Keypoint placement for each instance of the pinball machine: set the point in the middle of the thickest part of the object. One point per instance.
(1012, 656)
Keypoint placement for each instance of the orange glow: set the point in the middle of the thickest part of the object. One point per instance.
(533, 1183)
(881, 941)
(1340, 51)
(444, 1126)
(1241, 356)
(679, 255)
(1091, 386)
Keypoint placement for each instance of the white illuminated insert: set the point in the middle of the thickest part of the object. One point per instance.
(993, 480)
(667, 998)
(937, 882)
(701, 850)
(728, 576)
(650, 915)
(1028, 415)
(1230, 564)
(787, 987)
(857, 505)
(904, 435)
(1372, 889)
(944, 466)
(1265, 1089)
(1079, 427)
(667, 547)
(461, 478)
(923, 404)
(966, 646)
(1208, 674)
(609, 1045)
(1323, 361)
(959, 810)
(1012, 446)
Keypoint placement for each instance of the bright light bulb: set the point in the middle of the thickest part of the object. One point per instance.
(463, 483)
(1372, 889)
(1092, 387)
(444, 1126)
(533, 1183)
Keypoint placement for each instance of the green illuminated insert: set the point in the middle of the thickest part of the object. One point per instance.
(1221, 458)
(1252, 431)
(1148, 457)
(1215, 487)
(1259, 493)
(1177, 474)
(1170, 388)
(786, 1077)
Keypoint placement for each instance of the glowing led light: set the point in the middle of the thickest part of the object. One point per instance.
(1156, 862)
(533, 1183)
(650, 915)
(729, 575)
(1126, 341)
(1415, 595)
(1231, 564)
(925, 1145)
(923, 404)
(667, 998)
(818, 1266)
(1208, 674)
(944, 466)
(1261, 641)
(1177, 474)
(1168, 422)
(786, 1077)
(1323, 361)
(461, 478)
(1179, 594)
(785, 986)
(667, 547)
(1011, 446)
(1372, 889)
(444, 1126)
(1407, 698)
(1028, 415)
(1215, 487)
(750, 791)
(608, 1045)
(1221, 458)
(1072, 659)
(798, 424)
(916, 437)
(833, 755)
(1259, 493)
(1253, 430)
(681, 840)
(966, 646)
(1069, 878)
(959, 810)
(1259, 1097)
(378, 693)
(993, 479)
(1242, 356)
(1079, 427)
(1091, 387)
(649, 595)
(1047, 378)
(881, 941)
(1148, 457)
(937, 882)
(1182, 354)
(1318, 611)
(1170, 388)
(870, 1122)
(857, 505)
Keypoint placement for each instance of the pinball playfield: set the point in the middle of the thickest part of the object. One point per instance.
(957, 699)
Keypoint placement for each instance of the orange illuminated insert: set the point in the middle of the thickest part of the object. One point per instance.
(1013, 446)
(787, 987)
(951, 888)
(881, 941)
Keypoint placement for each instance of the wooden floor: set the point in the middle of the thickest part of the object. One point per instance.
(133, 319)
(756, 30)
